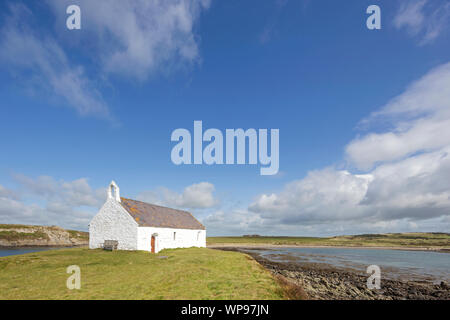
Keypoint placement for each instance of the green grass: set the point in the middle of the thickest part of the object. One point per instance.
(14, 235)
(418, 239)
(78, 234)
(194, 273)
(14, 226)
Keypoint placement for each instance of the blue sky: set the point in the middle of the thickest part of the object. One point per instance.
(83, 107)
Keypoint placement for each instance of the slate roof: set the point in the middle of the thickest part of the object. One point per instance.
(150, 215)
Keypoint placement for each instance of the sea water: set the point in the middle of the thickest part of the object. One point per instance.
(400, 264)
(15, 251)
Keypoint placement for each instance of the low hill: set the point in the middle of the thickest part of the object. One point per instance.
(15, 235)
(412, 240)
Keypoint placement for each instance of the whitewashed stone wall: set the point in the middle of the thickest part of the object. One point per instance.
(113, 222)
(184, 238)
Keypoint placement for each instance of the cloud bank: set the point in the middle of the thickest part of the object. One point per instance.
(137, 38)
(42, 64)
(72, 204)
(46, 201)
(195, 196)
(404, 172)
(128, 39)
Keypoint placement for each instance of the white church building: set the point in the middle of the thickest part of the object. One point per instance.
(137, 225)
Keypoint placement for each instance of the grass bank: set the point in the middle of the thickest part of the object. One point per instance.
(412, 240)
(194, 273)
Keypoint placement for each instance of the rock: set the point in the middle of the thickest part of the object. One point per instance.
(333, 284)
(22, 236)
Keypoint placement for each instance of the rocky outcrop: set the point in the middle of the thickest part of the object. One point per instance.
(320, 282)
(332, 284)
(36, 236)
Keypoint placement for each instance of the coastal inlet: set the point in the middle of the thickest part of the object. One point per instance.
(340, 274)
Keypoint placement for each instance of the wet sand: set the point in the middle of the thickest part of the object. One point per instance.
(324, 282)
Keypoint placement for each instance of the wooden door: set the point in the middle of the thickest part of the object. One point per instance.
(153, 244)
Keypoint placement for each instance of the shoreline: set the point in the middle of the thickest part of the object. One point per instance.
(41, 246)
(325, 282)
(274, 246)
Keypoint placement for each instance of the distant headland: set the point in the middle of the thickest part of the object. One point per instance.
(17, 235)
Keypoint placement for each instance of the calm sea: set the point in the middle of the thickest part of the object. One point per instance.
(15, 251)
(395, 264)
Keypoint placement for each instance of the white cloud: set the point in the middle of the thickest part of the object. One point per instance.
(325, 195)
(46, 201)
(241, 221)
(195, 196)
(406, 184)
(137, 38)
(24, 51)
(410, 15)
(14, 211)
(420, 119)
(417, 187)
(424, 19)
(235, 222)
(270, 29)
(74, 193)
(6, 193)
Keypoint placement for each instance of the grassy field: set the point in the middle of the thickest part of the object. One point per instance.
(435, 240)
(14, 235)
(195, 273)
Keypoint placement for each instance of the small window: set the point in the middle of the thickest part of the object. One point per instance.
(174, 235)
(198, 235)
